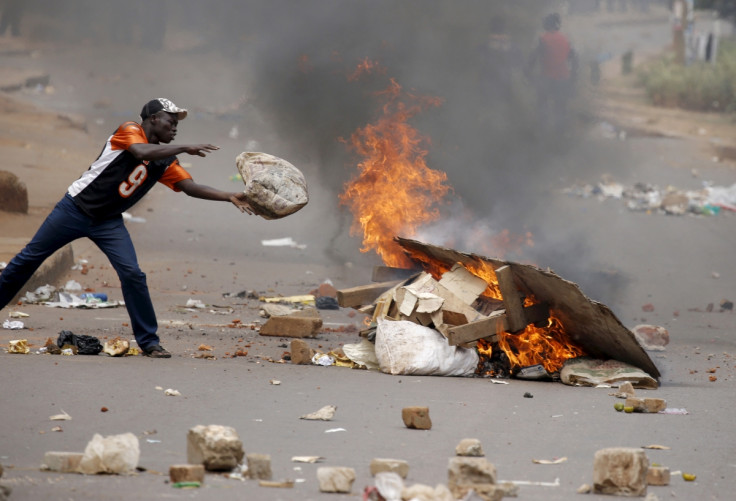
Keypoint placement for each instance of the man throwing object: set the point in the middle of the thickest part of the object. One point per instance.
(134, 158)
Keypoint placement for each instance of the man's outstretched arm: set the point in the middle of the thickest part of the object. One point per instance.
(148, 151)
(197, 190)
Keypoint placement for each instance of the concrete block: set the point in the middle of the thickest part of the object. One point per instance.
(186, 473)
(416, 417)
(259, 466)
(473, 473)
(658, 475)
(301, 353)
(649, 405)
(291, 326)
(335, 479)
(63, 462)
(469, 447)
(621, 471)
(398, 466)
(216, 447)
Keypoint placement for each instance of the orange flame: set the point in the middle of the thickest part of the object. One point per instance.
(366, 67)
(395, 192)
(549, 346)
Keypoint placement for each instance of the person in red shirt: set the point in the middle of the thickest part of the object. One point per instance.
(557, 72)
(133, 160)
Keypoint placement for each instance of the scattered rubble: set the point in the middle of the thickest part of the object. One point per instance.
(651, 337)
(416, 418)
(707, 201)
(217, 447)
(658, 475)
(381, 465)
(469, 447)
(259, 466)
(335, 479)
(620, 471)
(118, 454)
(326, 413)
(116, 347)
(186, 473)
(62, 462)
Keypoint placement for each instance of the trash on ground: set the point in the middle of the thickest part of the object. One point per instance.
(171, 392)
(689, 477)
(60, 417)
(307, 299)
(326, 303)
(72, 286)
(322, 359)
(68, 300)
(19, 346)
(275, 382)
(20, 314)
(709, 200)
(549, 461)
(586, 371)
(674, 411)
(403, 347)
(656, 447)
(195, 303)
(326, 413)
(41, 294)
(85, 345)
(285, 484)
(283, 242)
(363, 354)
(13, 325)
(116, 454)
(307, 459)
(116, 347)
(274, 188)
(335, 430)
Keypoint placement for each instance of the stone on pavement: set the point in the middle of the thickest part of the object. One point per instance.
(214, 446)
(259, 466)
(292, 326)
(416, 418)
(658, 475)
(473, 473)
(186, 473)
(398, 466)
(469, 447)
(301, 353)
(621, 471)
(335, 479)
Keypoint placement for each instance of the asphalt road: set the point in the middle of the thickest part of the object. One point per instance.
(200, 250)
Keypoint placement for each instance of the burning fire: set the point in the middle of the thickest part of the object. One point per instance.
(549, 346)
(395, 192)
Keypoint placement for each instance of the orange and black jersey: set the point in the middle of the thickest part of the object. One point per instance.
(117, 180)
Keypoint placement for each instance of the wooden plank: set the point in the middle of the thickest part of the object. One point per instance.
(486, 328)
(388, 273)
(515, 318)
(363, 294)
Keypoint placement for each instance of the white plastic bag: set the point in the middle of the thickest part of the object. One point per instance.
(273, 187)
(113, 454)
(403, 347)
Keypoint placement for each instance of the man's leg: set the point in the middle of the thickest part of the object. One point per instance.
(114, 240)
(64, 224)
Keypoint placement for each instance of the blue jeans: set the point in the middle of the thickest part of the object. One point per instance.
(67, 223)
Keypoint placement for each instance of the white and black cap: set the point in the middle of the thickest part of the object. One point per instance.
(155, 105)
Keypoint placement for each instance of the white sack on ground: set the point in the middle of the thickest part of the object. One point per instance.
(273, 187)
(403, 347)
(113, 454)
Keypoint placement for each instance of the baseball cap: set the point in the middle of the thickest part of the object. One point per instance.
(155, 105)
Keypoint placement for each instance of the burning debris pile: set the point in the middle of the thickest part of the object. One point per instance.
(522, 321)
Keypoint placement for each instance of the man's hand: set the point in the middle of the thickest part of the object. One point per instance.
(200, 149)
(239, 201)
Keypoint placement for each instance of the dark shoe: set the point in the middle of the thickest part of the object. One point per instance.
(156, 351)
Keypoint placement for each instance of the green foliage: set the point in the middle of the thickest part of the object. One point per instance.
(700, 86)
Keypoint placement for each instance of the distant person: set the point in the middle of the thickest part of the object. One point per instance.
(12, 12)
(132, 161)
(558, 67)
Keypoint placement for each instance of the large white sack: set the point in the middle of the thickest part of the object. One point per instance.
(113, 454)
(273, 187)
(403, 347)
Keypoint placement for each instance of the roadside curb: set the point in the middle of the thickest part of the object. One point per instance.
(50, 271)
